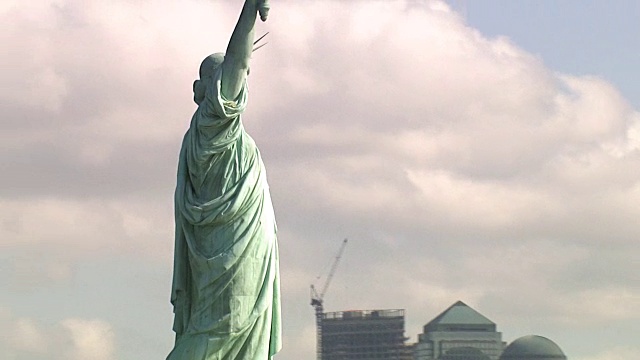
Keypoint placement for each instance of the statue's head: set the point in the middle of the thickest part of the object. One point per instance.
(207, 69)
(210, 64)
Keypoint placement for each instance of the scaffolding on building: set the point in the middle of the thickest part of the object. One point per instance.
(363, 334)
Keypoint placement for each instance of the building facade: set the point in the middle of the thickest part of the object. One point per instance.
(364, 334)
(459, 326)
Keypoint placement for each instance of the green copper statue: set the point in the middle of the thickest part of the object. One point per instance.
(225, 291)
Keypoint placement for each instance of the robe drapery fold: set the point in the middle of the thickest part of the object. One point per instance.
(225, 290)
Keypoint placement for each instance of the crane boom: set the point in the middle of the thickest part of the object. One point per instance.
(333, 269)
(318, 299)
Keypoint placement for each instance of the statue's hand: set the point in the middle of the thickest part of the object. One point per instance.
(263, 9)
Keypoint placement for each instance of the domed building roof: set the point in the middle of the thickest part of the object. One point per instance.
(464, 353)
(532, 347)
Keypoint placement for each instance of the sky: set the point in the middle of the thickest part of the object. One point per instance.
(487, 152)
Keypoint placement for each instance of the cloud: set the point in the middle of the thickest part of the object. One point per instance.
(47, 236)
(92, 339)
(28, 337)
(615, 354)
(459, 166)
(72, 338)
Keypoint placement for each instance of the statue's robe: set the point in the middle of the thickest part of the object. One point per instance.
(225, 291)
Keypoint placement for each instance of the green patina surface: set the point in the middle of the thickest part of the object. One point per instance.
(461, 313)
(225, 291)
(533, 347)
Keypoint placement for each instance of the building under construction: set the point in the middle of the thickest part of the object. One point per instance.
(363, 334)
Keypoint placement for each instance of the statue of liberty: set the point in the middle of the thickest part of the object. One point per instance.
(225, 291)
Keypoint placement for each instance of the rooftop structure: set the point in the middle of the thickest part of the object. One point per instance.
(459, 326)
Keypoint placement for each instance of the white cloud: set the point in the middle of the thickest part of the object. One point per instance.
(73, 338)
(72, 229)
(30, 271)
(460, 166)
(92, 339)
(483, 204)
(28, 337)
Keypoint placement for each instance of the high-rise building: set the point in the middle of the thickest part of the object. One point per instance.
(459, 326)
(364, 334)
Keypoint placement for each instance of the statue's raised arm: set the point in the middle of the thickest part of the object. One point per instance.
(236, 61)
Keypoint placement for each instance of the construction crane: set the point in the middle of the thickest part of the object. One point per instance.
(318, 298)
